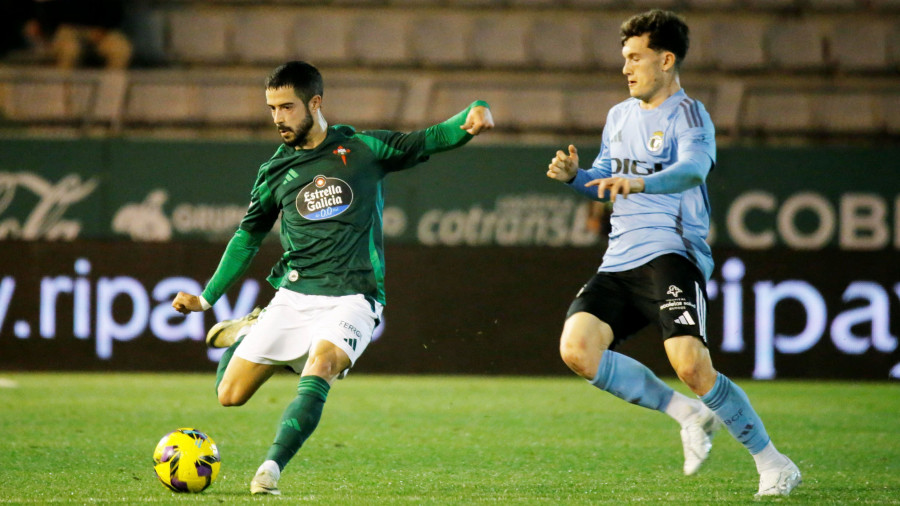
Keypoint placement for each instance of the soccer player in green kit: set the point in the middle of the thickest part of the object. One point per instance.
(326, 184)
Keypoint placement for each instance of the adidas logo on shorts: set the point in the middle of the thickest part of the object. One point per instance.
(351, 342)
(685, 319)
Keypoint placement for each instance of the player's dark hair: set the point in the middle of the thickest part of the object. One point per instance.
(667, 31)
(303, 77)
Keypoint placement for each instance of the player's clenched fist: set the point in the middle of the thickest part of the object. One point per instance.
(478, 120)
(564, 166)
(185, 303)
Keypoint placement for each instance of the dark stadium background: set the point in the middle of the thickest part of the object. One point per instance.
(105, 178)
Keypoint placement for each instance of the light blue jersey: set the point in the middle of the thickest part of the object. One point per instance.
(673, 147)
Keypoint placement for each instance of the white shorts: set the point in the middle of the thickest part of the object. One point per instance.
(293, 323)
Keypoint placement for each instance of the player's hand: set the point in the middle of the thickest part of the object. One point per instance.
(564, 166)
(185, 303)
(478, 120)
(617, 186)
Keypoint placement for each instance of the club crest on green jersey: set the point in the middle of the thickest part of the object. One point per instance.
(324, 197)
(342, 152)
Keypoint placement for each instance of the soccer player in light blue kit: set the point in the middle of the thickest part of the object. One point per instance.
(657, 149)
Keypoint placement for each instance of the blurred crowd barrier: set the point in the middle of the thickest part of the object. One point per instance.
(770, 70)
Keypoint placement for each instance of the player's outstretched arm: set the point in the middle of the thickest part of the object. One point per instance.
(235, 261)
(564, 167)
(400, 151)
(459, 129)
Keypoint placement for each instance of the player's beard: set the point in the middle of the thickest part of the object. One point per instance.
(301, 133)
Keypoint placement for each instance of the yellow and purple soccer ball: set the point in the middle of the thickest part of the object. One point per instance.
(186, 460)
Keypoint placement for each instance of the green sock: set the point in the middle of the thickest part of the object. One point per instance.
(223, 363)
(299, 419)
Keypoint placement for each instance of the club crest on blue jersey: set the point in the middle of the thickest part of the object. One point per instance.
(324, 197)
(655, 143)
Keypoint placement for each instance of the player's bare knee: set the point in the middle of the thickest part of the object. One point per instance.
(230, 397)
(224, 397)
(568, 350)
(231, 401)
(323, 368)
(577, 357)
(695, 376)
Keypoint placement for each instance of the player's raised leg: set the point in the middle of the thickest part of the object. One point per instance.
(584, 348)
(301, 417)
(228, 334)
(237, 379)
(241, 380)
(691, 360)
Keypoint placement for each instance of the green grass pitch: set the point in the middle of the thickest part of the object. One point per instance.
(89, 438)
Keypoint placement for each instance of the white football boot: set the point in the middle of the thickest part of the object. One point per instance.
(696, 437)
(266, 479)
(779, 480)
(226, 332)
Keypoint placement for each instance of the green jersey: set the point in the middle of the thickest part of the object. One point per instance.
(330, 200)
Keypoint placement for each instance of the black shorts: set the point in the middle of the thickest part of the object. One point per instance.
(668, 291)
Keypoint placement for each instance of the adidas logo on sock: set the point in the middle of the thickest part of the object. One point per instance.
(685, 319)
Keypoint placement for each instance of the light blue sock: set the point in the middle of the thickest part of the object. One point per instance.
(628, 379)
(733, 407)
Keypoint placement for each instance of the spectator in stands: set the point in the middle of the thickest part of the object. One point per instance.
(78, 32)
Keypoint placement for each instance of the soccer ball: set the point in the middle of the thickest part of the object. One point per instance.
(186, 460)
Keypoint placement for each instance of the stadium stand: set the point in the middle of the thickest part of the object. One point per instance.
(262, 37)
(500, 41)
(198, 36)
(891, 110)
(585, 108)
(793, 112)
(604, 34)
(440, 40)
(824, 5)
(378, 39)
(848, 112)
(860, 45)
(737, 43)
(795, 45)
(323, 37)
(558, 42)
(809, 69)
